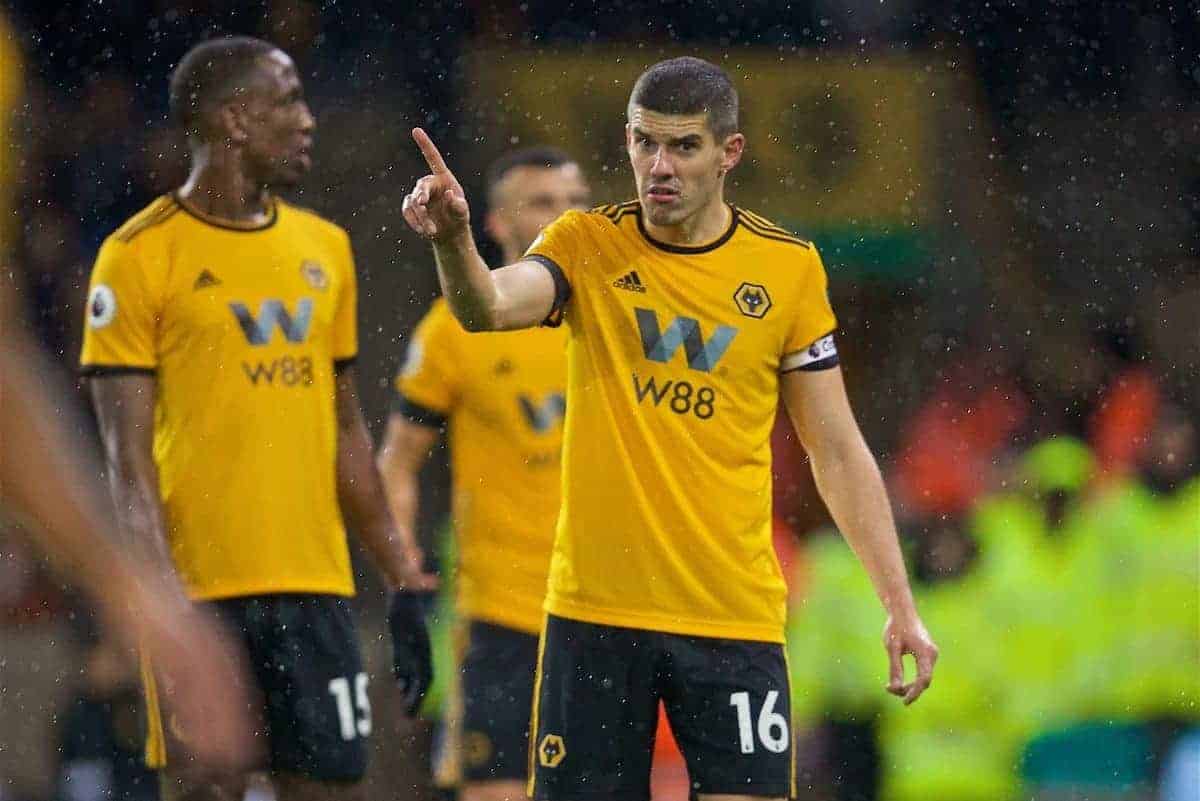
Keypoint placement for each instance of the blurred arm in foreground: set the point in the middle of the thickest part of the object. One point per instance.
(42, 478)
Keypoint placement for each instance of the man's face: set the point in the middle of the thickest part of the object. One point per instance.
(529, 198)
(678, 164)
(276, 124)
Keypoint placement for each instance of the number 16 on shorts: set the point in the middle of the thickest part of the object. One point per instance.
(771, 728)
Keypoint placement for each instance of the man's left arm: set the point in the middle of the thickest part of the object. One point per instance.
(362, 499)
(850, 483)
(365, 509)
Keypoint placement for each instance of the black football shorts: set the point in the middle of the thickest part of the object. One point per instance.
(596, 712)
(304, 657)
(485, 735)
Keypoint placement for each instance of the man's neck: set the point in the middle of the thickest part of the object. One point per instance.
(218, 187)
(703, 227)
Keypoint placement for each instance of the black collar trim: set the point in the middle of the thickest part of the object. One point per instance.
(690, 250)
(228, 225)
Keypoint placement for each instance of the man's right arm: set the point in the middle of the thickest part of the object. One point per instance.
(520, 295)
(125, 411)
(406, 448)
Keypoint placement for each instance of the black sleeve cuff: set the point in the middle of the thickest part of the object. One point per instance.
(101, 370)
(822, 354)
(562, 290)
(341, 364)
(812, 367)
(416, 413)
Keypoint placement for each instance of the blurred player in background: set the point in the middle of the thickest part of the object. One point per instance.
(688, 319)
(501, 398)
(47, 486)
(220, 341)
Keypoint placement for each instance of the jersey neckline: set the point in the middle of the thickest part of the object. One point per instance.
(689, 250)
(228, 225)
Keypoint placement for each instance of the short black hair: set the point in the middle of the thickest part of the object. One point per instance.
(542, 156)
(209, 74)
(689, 85)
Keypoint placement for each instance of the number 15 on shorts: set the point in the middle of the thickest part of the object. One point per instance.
(772, 727)
(351, 724)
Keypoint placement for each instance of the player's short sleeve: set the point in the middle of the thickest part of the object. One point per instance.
(123, 310)
(810, 344)
(345, 319)
(428, 382)
(560, 249)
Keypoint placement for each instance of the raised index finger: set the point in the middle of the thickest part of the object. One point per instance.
(433, 157)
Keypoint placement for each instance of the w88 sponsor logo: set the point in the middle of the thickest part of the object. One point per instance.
(288, 371)
(259, 329)
(660, 345)
(680, 396)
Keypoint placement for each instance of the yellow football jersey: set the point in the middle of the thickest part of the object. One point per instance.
(243, 328)
(501, 396)
(674, 357)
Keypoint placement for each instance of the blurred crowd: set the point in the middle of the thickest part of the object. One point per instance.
(1032, 393)
(1063, 581)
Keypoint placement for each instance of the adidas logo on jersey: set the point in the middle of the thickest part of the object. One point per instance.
(631, 282)
(204, 280)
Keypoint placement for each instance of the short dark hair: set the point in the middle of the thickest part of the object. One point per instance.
(541, 156)
(689, 85)
(209, 74)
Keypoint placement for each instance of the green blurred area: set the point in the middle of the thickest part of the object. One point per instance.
(443, 624)
(881, 253)
(1068, 639)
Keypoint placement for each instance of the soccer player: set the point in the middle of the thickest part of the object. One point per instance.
(220, 340)
(687, 319)
(501, 397)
